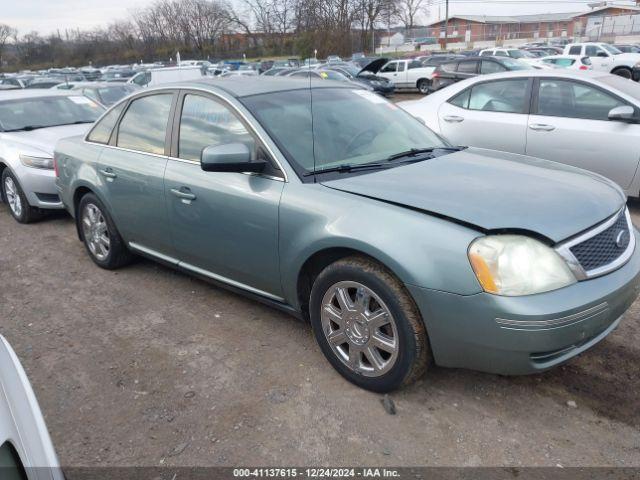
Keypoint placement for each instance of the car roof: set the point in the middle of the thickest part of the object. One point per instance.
(256, 85)
(34, 93)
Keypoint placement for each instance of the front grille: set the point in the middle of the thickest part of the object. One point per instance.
(605, 247)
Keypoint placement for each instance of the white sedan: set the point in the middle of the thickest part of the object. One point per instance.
(26, 450)
(586, 119)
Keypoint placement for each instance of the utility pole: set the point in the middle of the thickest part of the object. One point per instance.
(446, 24)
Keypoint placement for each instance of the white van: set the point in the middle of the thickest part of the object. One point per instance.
(158, 76)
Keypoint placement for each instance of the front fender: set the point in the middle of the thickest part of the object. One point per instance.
(420, 249)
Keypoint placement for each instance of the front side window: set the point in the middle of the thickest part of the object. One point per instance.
(507, 96)
(563, 98)
(101, 132)
(42, 112)
(205, 122)
(593, 51)
(344, 127)
(390, 67)
(491, 67)
(144, 125)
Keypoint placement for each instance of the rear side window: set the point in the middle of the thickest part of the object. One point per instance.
(448, 67)
(144, 125)
(575, 50)
(401, 67)
(204, 123)
(101, 132)
(507, 96)
(487, 53)
(501, 53)
(468, 67)
(462, 99)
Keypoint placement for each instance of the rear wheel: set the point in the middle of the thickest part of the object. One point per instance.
(17, 200)
(367, 325)
(99, 234)
(423, 86)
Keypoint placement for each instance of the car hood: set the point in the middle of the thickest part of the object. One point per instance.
(45, 139)
(374, 66)
(495, 191)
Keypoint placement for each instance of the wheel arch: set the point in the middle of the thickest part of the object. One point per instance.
(622, 67)
(3, 165)
(318, 261)
(80, 191)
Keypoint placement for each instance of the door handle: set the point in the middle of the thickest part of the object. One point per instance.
(184, 194)
(109, 174)
(542, 127)
(453, 119)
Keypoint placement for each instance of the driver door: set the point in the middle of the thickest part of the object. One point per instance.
(223, 225)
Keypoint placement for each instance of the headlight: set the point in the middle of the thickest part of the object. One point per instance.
(513, 265)
(37, 162)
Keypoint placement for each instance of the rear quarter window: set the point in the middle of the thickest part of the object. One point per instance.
(101, 132)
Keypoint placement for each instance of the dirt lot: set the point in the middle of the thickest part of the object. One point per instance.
(147, 366)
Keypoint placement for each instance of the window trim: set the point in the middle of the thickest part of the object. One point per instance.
(528, 94)
(113, 129)
(260, 143)
(536, 94)
(167, 135)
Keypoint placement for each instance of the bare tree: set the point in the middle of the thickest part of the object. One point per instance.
(407, 11)
(6, 33)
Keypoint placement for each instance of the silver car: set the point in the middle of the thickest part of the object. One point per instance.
(584, 119)
(31, 122)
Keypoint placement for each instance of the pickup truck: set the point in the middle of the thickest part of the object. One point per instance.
(408, 74)
(607, 58)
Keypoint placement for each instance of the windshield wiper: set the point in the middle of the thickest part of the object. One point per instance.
(26, 128)
(345, 168)
(414, 152)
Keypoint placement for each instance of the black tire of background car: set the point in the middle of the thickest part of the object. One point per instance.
(119, 255)
(414, 354)
(423, 86)
(624, 72)
(29, 214)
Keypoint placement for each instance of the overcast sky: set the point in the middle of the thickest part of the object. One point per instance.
(47, 16)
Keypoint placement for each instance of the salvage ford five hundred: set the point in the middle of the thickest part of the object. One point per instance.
(331, 203)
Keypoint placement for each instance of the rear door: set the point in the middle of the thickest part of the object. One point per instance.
(569, 124)
(132, 170)
(490, 114)
(223, 225)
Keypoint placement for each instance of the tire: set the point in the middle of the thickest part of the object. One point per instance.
(423, 86)
(358, 292)
(13, 194)
(100, 235)
(623, 72)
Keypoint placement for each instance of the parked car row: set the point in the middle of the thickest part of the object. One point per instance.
(324, 200)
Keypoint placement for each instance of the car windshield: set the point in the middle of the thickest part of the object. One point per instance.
(349, 127)
(110, 95)
(40, 112)
(520, 54)
(611, 49)
(513, 64)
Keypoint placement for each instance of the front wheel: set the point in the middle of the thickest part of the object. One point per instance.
(367, 325)
(99, 234)
(17, 200)
(623, 72)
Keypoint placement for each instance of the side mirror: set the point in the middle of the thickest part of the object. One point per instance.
(231, 157)
(624, 113)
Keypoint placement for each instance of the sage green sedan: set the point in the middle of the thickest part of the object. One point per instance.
(331, 203)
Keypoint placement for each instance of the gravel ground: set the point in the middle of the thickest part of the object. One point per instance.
(148, 366)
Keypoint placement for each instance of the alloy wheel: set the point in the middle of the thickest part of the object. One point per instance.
(13, 196)
(96, 233)
(360, 328)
